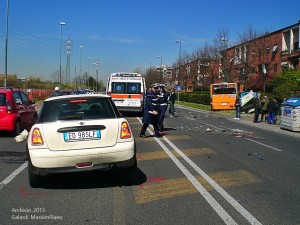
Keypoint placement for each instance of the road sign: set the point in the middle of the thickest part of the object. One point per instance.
(178, 88)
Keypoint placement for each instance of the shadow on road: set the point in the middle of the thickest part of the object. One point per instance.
(91, 180)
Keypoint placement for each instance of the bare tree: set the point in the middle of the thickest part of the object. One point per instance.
(221, 43)
(249, 34)
(55, 76)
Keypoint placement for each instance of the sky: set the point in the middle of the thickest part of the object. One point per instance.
(125, 34)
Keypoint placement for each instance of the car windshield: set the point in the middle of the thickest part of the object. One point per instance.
(77, 109)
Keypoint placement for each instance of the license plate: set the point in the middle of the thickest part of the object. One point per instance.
(82, 135)
(224, 103)
(132, 103)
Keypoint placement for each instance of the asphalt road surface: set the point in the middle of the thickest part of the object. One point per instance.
(206, 169)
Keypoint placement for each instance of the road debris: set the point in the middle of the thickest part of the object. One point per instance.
(208, 130)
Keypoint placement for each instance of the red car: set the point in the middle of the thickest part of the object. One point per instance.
(16, 111)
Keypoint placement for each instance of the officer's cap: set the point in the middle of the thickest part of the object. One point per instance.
(155, 85)
(162, 85)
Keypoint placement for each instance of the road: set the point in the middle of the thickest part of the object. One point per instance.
(207, 169)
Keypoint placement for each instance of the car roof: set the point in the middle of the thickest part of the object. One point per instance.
(77, 96)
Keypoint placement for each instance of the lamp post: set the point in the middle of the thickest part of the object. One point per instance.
(160, 60)
(6, 45)
(179, 60)
(80, 47)
(222, 59)
(61, 25)
(89, 71)
(160, 67)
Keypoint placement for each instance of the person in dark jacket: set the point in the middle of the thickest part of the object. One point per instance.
(238, 106)
(264, 108)
(163, 105)
(150, 112)
(56, 92)
(172, 99)
(272, 109)
(257, 107)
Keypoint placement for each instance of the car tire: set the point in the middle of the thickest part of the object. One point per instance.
(35, 181)
(17, 129)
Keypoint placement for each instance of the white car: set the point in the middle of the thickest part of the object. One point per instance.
(77, 133)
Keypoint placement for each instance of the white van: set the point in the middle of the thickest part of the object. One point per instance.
(127, 90)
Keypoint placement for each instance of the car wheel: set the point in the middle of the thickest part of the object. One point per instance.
(17, 129)
(35, 181)
(129, 174)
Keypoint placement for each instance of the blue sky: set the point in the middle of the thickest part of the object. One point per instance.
(125, 34)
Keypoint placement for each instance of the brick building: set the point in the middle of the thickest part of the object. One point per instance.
(255, 62)
(252, 63)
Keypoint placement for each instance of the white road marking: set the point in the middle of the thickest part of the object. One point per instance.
(10, 177)
(276, 149)
(247, 215)
(214, 204)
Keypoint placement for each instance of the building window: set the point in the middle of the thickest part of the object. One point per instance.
(267, 50)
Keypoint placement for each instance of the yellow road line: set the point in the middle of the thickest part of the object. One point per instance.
(154, 191)
(163, 155)
(119, 215)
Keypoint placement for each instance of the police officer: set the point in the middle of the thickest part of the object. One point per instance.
(163, 97)
(56, 92)
(150, 111)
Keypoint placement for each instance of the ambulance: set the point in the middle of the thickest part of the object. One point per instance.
(127, 90)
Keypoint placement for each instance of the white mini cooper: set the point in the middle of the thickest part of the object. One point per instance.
(76, 133)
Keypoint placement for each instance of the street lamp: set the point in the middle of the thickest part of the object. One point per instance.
(222, 56)
(160, 67)
(160, 60)
(179, 60)
(61, 25)
(89, 72)
(80, 64)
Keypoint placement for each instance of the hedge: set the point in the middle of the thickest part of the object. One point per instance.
(195, 98)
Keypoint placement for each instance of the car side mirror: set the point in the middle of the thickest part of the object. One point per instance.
(32, 102)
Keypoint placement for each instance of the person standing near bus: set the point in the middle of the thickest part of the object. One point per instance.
(264, 109)
(172, 98)
(238, 106)
(257, 107)
(150, 112)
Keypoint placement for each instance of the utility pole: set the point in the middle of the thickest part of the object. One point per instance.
(97, 72)
(68, 70)
(6, 44)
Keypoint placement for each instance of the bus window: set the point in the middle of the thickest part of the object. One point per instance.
(224, 91)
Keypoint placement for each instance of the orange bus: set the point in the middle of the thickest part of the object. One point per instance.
(223, 95)
(127, 90)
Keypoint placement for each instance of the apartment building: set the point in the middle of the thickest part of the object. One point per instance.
(255, 62)
(252, 63)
